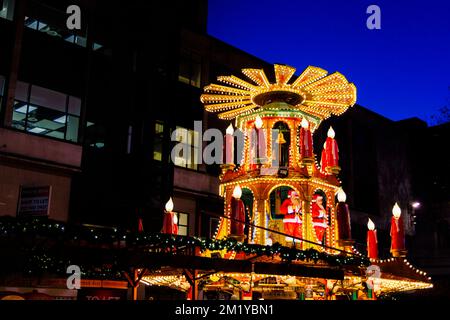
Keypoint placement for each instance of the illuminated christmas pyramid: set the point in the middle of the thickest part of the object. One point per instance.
(288, 196)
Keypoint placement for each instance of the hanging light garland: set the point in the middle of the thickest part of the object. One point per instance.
(43, 261)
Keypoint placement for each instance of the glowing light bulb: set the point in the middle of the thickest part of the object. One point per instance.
(415, 205)
(237, 192)
(230, 130)
(396, 211)
(331, 133)
(342, 197)
(305, 123)
(370, 225)
(258, 122)
(169, 205)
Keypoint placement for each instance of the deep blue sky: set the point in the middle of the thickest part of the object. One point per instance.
(400, 71)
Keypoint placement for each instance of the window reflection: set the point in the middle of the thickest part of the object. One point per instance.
(183, 223)
(190, 69)
(46, 112)
(187, 139)
(7, 9)
(158, 141)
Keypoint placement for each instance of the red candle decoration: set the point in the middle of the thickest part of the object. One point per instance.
(397, 230)
(323, 158)
(306, 149)
(170, 222)
(260, 139)
(343, 217)
(237, 213)
(372, 242)
(332, 149)
(229, 145)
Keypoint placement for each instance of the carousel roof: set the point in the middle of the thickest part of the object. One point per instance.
(314, 92)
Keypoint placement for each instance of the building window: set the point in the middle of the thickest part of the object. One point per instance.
(46, 112)
(188, 148)
(52, 21)
(7, 9)
(183, 223)
(54, 31)
(95, 135)
(158, 141)
(190, 69)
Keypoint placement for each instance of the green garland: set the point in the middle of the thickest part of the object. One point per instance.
(65, 233)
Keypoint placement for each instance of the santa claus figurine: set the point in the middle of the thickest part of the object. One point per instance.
(291, 208)
(319, 216)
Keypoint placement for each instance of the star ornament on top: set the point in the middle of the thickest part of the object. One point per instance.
(314, 92)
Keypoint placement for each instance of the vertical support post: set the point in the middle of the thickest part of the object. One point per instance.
(191, 277)
(307, 221)
(6, 110)
(136, 284)
(261, 220)
(195, 286)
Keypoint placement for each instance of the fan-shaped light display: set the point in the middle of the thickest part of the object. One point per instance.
(313, 92)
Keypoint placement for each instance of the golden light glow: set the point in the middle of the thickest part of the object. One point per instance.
(321, 94)
(169, 205)
(396, 211)
(371, 225)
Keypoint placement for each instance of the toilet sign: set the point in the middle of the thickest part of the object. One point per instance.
(34, 201)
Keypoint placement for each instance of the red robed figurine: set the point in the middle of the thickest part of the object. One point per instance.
(292, 210)
(319, 216)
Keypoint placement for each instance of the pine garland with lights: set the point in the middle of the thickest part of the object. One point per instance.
(42, 260)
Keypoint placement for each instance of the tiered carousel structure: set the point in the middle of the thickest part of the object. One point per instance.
(277, 121)
(278, 193)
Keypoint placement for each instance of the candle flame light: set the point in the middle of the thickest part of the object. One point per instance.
(396, 211)
(258, 122)
(230, 130)
(237, 192)
(370, 225)
(305, 123)
(169, 205)
(175, 219)
(331, 133)
(342, 197)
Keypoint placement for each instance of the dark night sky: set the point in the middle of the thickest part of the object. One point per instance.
(400, 71)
